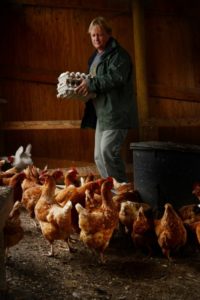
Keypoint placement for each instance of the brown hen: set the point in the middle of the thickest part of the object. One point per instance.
(13, 231)
(170, 231)
(54, 220)
(143, 233)
(128, 212)
(97, 225)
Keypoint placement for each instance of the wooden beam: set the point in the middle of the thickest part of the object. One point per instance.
(41, 125)
(181, 122)
(149, 129)
(174, 93)
(75, 124)
(29, 74)
(140, 62)
(103, 5)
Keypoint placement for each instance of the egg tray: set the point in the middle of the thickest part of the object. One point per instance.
(68, 82)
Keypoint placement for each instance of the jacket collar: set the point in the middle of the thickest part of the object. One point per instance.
(111, 45)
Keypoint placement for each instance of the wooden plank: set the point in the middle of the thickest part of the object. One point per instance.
(150, 128)
(41, 125)
(112, 5)
(50, 78)
(180, 122)
(29, 74)
(173, 93)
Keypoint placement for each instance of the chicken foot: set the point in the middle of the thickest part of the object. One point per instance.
(71, 249)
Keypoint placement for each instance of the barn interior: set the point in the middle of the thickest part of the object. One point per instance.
(41, 39)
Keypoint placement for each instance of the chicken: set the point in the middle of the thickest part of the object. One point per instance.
(13, 231)
(78, 196)
(32, 189)
(123, 187)
(97, 225)
(143, 233)
(30, 197)
(132, 196)
(54, 220)
(92, 200)
(128, 212)
(196, 190)
(71, 181)
(190, 213)
(20, 160)
(32, 177)
(15, 182)
(89, 177)
(170, 231)
(71, 177)
(5, 163)
(5, 178)
(194, 228)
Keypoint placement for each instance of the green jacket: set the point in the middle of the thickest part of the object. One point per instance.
(115, 103)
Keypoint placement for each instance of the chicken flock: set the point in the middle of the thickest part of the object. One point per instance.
(94, 209)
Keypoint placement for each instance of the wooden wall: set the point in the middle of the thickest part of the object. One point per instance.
(173, 68)
(42, 38)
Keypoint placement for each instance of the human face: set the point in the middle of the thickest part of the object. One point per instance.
(99, 38)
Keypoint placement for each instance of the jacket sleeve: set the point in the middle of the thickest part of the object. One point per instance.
(116, 71)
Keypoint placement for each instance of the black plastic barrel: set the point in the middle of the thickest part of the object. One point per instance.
(165, 172)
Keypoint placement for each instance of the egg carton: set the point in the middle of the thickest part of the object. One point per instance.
(68, 82)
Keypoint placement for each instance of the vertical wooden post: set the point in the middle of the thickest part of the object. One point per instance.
(140, 66)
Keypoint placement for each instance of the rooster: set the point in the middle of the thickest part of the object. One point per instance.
(170, 231)
(13, 231)
(97, 225)
(54, 220)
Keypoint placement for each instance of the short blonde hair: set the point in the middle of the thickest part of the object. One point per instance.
(101, 22)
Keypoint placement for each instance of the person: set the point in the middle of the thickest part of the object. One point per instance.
(113, 110)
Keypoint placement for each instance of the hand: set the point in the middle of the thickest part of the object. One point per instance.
(82, 89)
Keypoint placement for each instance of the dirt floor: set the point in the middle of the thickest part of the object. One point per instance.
(127, 274)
